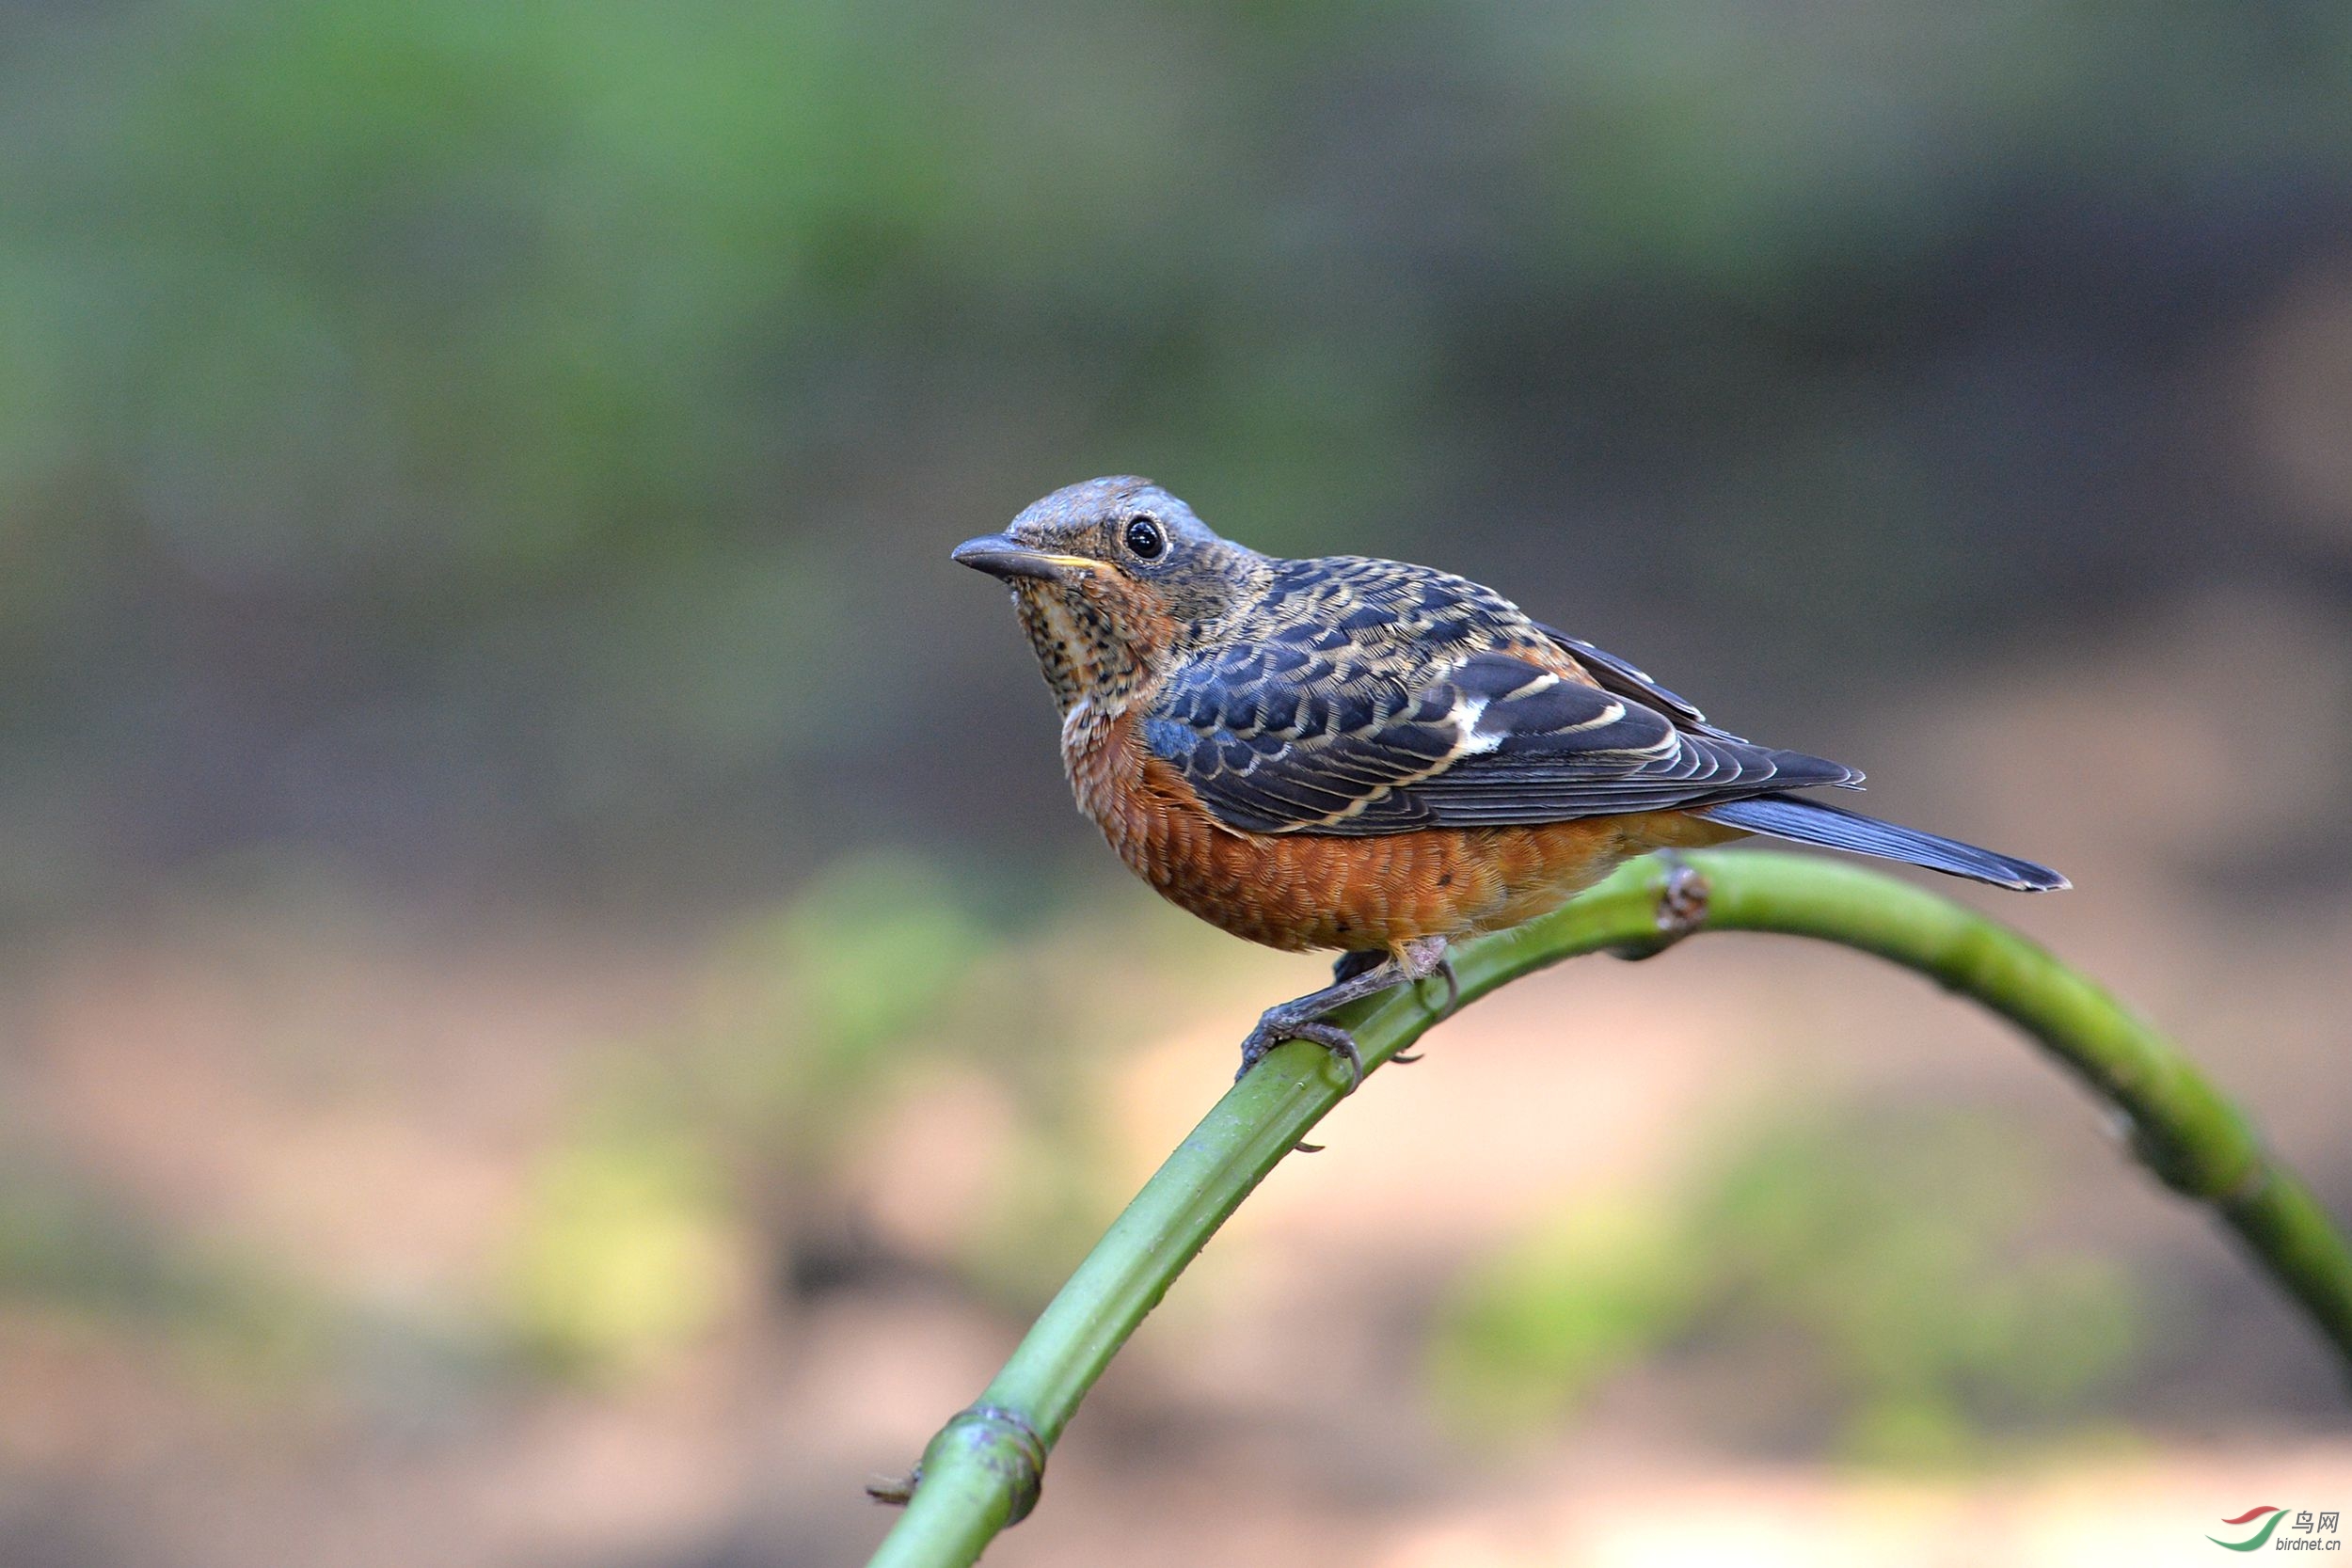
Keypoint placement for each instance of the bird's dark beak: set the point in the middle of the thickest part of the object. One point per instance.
(999, 557)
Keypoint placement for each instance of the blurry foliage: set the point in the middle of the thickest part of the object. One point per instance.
(515, 445)
(818, 1002)
(641, 1230)
(731, 1157)
(625, 1250)
(77, 1256)
(1893, 1255)
(1532, 1332)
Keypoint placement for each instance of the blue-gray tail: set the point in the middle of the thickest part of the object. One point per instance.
(1804, 822)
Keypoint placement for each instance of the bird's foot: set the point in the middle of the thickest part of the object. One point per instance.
(1357, 975)
(1286, 1023)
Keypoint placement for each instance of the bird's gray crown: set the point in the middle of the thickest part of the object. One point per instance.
(1076, 513)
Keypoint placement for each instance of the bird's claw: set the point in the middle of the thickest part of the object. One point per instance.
(1328, 1035)
(1274, 1028)
(1444, 970)
(1355, 976)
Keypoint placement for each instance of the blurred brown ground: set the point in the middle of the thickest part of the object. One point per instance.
(324, 1368)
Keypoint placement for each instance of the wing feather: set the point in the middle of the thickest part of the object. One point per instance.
(1485, 738)
(1628, 680)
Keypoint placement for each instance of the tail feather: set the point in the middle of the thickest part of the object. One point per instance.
(1807, 822)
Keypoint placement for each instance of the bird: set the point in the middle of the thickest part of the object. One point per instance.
(1352, 755)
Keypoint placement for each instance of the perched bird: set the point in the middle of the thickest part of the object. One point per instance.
(1370, 757)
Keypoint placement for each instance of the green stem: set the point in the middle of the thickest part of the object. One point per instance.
(982, 1472)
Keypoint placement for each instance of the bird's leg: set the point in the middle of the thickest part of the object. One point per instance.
(1348, 965)
(1452, 995)
(1363, 961)
(1303, 1018)
(1443, 969)
(1352, 964)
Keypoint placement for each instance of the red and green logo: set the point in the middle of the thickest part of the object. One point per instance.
(2269, 1515)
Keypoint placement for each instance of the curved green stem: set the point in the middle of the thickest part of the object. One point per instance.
(984, 1470)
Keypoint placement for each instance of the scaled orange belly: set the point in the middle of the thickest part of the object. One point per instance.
(1302, 892)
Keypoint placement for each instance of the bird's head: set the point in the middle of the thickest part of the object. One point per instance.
(1114, 579)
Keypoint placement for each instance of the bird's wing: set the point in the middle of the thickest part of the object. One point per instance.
(1286, 736)
(1628, 680)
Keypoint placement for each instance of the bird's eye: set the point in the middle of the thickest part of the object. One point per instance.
(1144, 539)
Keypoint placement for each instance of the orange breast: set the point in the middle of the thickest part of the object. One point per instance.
(1301, 891)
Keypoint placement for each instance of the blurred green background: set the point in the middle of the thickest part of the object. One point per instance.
(557, 1010)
